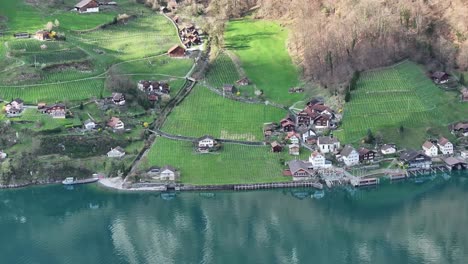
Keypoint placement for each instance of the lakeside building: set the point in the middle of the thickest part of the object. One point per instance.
(415, 160)
(445, 146)
(430, 149)
(350, 156)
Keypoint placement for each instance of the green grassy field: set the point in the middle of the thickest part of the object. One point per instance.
(204, 112)
(261, 47)
(400, 95)
(233, 164)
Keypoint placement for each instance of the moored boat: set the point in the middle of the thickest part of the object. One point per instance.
(73, 181)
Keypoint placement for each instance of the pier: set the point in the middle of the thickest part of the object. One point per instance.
(261, 186)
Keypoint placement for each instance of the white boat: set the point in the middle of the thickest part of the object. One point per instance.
(72, 181)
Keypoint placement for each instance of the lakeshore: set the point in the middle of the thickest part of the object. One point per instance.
(376, 226)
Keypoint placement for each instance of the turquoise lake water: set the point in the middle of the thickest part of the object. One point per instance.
(405, 222)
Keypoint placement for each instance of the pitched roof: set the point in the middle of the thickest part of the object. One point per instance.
(113, 121)
(293, 146)
(205, 137)
(315, 154)
(83, 3)
(347, 150)
(364, 151)
(439, 74)
(168, 167)
(453, 161)
(460, 125)
(386, 147)
(327, 140)
(443, 141)
(174, 48)
(428, 145)
(411, 154)
(296, 165)
(275, 144)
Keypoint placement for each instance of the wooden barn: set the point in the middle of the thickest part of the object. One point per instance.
(176, 52)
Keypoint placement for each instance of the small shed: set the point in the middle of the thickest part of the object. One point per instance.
(440, 77)
(276, 147)
(228, 88)
(176, 52)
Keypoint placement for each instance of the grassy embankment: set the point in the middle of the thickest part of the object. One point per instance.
(401, 95)
(233, 164)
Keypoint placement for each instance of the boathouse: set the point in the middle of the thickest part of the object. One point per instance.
(453, 163)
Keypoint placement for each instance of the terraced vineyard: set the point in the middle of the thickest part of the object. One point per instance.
(141, 37)
(204, 112)
(400, 96)
(161, 65)
(233, 164)
(69, 91)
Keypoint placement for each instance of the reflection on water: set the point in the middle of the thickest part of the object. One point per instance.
(420, 221)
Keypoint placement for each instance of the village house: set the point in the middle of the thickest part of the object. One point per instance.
(322, 121)
(387, 149)
(460, 128)
(176, 52)
(415, 160)
(294, 149)
(118, 98)
(440, 77)
(300, 170)
(309, 133)
(287, 124)
(366, 155)
(55, 111)
(327, 144)
(243, 82)
(318, 161)
(87, 6)
(464, 94)
(350, 156)
(429, 149)
(303, 118)
(445, 146)
(14, 108)
(293, 137)
(168, 173)
(115, 123)
(206, 143)
(276, 147)
(228, 89)
(117, 152)
(42, 35)
(89, 124)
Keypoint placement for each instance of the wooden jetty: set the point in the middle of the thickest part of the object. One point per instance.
(259, 186)
(424, 171)
(362, 182)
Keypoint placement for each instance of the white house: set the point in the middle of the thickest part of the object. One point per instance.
(294, 149)
(445, 146)
(117, 152)
(328, 144)
(89, 124)
(429, 149)
(168, 173)
(387, 149)
(3, 155)
(309, 133)
(206, 142)
(294, 139)
(87, 6)
(350, 156)
(318, 161)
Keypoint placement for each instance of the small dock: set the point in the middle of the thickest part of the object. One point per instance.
(423, 171)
